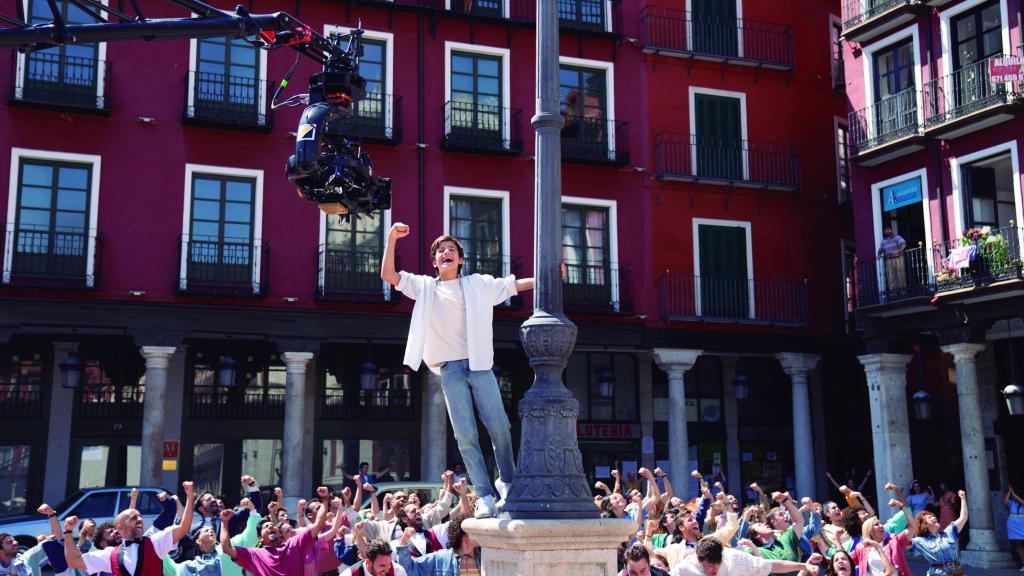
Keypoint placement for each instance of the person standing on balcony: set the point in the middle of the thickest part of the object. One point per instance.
(451, 331)
(891, 249)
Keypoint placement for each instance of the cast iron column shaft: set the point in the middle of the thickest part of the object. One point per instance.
(550, 481)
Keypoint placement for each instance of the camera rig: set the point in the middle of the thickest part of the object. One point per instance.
(327, 168)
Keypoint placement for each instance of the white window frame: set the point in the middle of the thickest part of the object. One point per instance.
(845, 271)
(504, 7)
(257, 230)
(742, 97)
(954, 172)
(388, 39)
(506, 220)
(609, 79)
(745, 224)
(739, 29)
(101, 70)
(613, 236)
(506, 81)
(946, 38)
(876, 210)
(261, 81)
(834, 22)
(19, 154)
(868, 58)
(839, 174)
(385, 224)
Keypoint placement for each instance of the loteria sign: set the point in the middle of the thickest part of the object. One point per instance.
(1007, 69)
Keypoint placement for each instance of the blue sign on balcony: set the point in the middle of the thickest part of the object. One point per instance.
(901, 194)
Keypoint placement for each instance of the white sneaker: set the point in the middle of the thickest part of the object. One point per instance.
(502, 489)
(484, 507)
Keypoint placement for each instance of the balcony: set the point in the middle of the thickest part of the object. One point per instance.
(53, 259)
(982, 257)
(897, 279)
(864, 19)
(688, 158)
(57, 81)
(692, 35)
(595, 141)
(888, 129)
(589, 16)
(481, 129)
(967, 101)
(220, 101)
(345, 275)
(239, 403)
(380, 404)
(733, 300)
(230, 267)
(377, 118)
(516, 10)
(597, 289)
(21, 401)
(106, 401)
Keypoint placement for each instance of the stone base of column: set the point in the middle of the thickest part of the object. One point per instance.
(984, 552)
(545, 547)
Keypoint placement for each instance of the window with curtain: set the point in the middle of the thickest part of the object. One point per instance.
(585, 251)
(584, 107)
(477, 224)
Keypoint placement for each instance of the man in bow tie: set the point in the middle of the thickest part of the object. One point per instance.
(137, 555)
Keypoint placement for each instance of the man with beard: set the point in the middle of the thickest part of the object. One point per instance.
(277, 557)
(209, 559)
(209, 508)
(378, 562)
(461, 557)
(136, 555)
(422, 541)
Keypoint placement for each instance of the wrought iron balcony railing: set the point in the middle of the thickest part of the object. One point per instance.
(56, 80)
(595, 141)
(470, 127)
(347, 275)
(590, 15)
(860, 12)
(680, 32)
(21, 401)
(99, 401)
(378, 404)
(888, 279)
(496, 266)
(218, 99)
(965, 92)
(689, 158)
(231, 403)
(683, 297)
(597, 288)
(376, 118)
(54, 258)
(979, 257)
(230, 267)
(887, 121)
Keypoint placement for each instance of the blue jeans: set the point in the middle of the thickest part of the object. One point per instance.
(462, 388)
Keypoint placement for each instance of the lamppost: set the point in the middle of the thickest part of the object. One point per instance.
(550, 482)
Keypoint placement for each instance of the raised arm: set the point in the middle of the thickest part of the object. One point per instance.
(618, 480)
(786, 502)
(335, 506)
(318, 523)
(226, 546)
(374, 505)
(669, 491)
(186, 517)
(71, 552)
(832, 480)
(886, 562)
(387, 265)
(134, 499)
(524, 284)
(781, 566)
(962, 520)
(864, 481)
(300, 507)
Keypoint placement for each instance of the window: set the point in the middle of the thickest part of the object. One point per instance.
(582, 14)
(373, 117)
(351, 259)
(476, 95)
(836, 43)
(714, 27)
(227, 85)
(724, 279)
(894, 70)
(988, 186)
(584, 106)
(585, 250)
(478, 223)
(373, 67)
(257, 391)
(481, 7)
(341, 460)
(70, 74)
(52, 234)
(604, 384)
(97, 505)
(112, 464)
(262, 459)
(719, 134)
(976, 34)
(843, 161)
(14, 472)
(208, 467)
(21, 390)
(222, 247)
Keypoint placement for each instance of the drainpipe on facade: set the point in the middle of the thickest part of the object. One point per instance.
(932, 68)
(420, 149)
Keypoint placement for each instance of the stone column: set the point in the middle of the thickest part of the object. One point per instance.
(646, 394)
(797, 366)
(675, 362)
(890, 431)
(983, 550)
(433, 429)
(175, 403)
(732, 436)
(295, 448)
(154, 416)
(58, 440)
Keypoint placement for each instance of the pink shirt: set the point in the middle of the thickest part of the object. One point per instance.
(286, 560)
(894, 546)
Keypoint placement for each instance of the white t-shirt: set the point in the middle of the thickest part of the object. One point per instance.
(446, 332)
(399, 571)
(734, 563)
(100, 560)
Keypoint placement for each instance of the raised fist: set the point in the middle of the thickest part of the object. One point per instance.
(894, 503)
(844, 490)
(226, 515)
(398, 230)
(248, 480)
(70, 522)
(645, 473)
(189, 487)
(302, 504)
(961, 494)
(278, 492)
(246, 503)
(369, 488)
(45, 509)
(889, 486)
(323, 492)
(659, 472)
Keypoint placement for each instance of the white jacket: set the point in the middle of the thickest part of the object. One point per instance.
(482, 293)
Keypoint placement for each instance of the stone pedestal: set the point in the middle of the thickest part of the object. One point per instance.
(546, 547)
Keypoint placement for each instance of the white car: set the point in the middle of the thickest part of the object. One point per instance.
(100, 504)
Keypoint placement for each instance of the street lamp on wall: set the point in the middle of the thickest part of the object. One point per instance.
(227, 369)
(741, 386)
(368, 373)
(1014, 396)
(922, 402)
(606, 384)
(71, 371)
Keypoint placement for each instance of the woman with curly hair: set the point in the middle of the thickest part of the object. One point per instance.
(938, 545)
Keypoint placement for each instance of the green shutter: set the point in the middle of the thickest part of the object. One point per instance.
(719, 137)
(713, 25)
(724, 285)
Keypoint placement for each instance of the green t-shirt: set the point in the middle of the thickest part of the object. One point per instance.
(785, 547)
